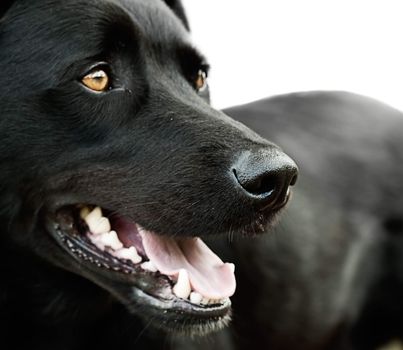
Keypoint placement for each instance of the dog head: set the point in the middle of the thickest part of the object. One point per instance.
(114, 163)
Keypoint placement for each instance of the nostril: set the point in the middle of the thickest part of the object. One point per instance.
(265, 177)
(294, 180)
(258, 185)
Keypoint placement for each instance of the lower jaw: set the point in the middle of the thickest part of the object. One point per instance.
(180, 318)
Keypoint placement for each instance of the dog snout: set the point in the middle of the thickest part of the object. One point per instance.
(264, 177)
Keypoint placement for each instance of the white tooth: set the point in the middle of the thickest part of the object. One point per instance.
(232, 266)
(129, 254)
(182, 287)
(111, 239)
(195, 298)
(204, 301)
(101, 226)
(96, 222)
(96, 213)
(96, 241)
(149, 266)
(84, 212)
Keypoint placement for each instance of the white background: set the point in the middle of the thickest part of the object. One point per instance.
(258, 48)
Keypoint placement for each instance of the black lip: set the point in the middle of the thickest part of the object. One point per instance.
(182, 317)
(264, 219)
(143, 288)
(286, 198)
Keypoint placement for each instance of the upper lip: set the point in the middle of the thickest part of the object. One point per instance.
(282, 199)
(258, 223)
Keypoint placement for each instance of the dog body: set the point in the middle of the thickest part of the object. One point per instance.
(330, 276)
(149, 150)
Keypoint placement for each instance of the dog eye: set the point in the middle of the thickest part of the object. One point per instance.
(97, 80)
(201, 81)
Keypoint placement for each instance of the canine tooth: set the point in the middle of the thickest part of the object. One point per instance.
(129, 254)
(100, 226)
(195, 298)
(103, 226)
(84, 212)
(96, 222)
(111, 239)
(149, 266)
(95, 213)
(182, 288)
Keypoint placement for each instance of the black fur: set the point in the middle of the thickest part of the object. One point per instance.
(330, 275)
(177, 7)
(151, 148)
(328, 278)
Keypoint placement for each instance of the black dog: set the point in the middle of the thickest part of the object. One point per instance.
(149, 148)
(113, 163)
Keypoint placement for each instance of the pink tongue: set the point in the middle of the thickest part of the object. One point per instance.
(208, 275)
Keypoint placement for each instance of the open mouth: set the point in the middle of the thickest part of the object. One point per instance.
(176, 275)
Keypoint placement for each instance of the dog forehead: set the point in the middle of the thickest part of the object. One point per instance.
(156, 19)
(83, 20)
(48, 35)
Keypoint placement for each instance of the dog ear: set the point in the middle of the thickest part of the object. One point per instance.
(4, 6)
(177, 7)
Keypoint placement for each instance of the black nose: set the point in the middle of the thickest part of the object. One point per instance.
(265, 176)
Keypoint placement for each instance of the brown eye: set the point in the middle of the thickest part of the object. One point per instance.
(201, 81)
(97, 80)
